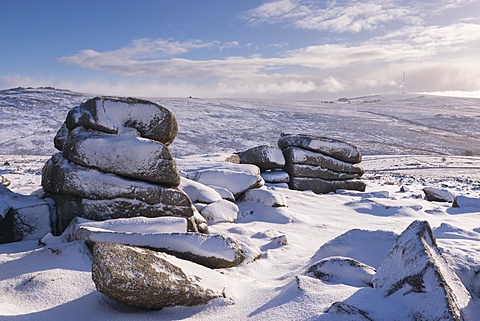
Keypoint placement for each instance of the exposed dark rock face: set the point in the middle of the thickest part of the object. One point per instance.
(146, 279)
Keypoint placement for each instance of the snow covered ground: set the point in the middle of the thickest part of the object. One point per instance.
(54, 282)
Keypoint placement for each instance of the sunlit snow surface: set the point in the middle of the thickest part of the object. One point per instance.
(54, 283)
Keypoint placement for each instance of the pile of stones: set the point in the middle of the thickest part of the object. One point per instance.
(308, 162)
(114, 162)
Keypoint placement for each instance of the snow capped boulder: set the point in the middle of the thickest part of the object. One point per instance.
(23, 217)
(150, 280)
(131, 157)
(221, 211)
(236, 182)
(416, 270)
(263, 156)
(198, 192)
(342, 270)
(113, 114)
(465, 202)
(296, 155)
(166, 234)
(328, 146)
(438, 195)
(265, 196)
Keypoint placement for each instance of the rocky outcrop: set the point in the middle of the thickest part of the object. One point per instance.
(416, 269)
(115, 163)
(150, 280)
(321, 164)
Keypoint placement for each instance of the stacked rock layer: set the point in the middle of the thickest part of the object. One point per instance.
(114, 162)
(321, 164)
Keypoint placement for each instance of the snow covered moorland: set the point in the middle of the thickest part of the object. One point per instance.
(317, 257)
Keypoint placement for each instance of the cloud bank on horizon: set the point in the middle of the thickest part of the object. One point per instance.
(315, 49)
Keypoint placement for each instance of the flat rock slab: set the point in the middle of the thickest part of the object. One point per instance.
(303, 170)
(297, 155)
(113, 114)
(321, 186)
(127, 156)
(275, 177)
(213, 251)
(150, 280)
(68, 207)
(328, 146)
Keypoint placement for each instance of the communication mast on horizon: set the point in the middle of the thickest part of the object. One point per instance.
(403, 83)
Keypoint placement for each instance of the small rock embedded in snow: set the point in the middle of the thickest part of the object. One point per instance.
(149, 280)
(220, 211)
(235, 181)
(438, 195)
(343, 270)
(198, 192)
(265, 196)
(465, 202)
(224, 193)
(348, 312)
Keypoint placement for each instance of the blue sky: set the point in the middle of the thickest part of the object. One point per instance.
(242, 48)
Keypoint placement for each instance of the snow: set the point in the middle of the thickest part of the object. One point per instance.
(411, 141)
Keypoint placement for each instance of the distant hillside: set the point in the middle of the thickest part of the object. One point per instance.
(380, 124)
